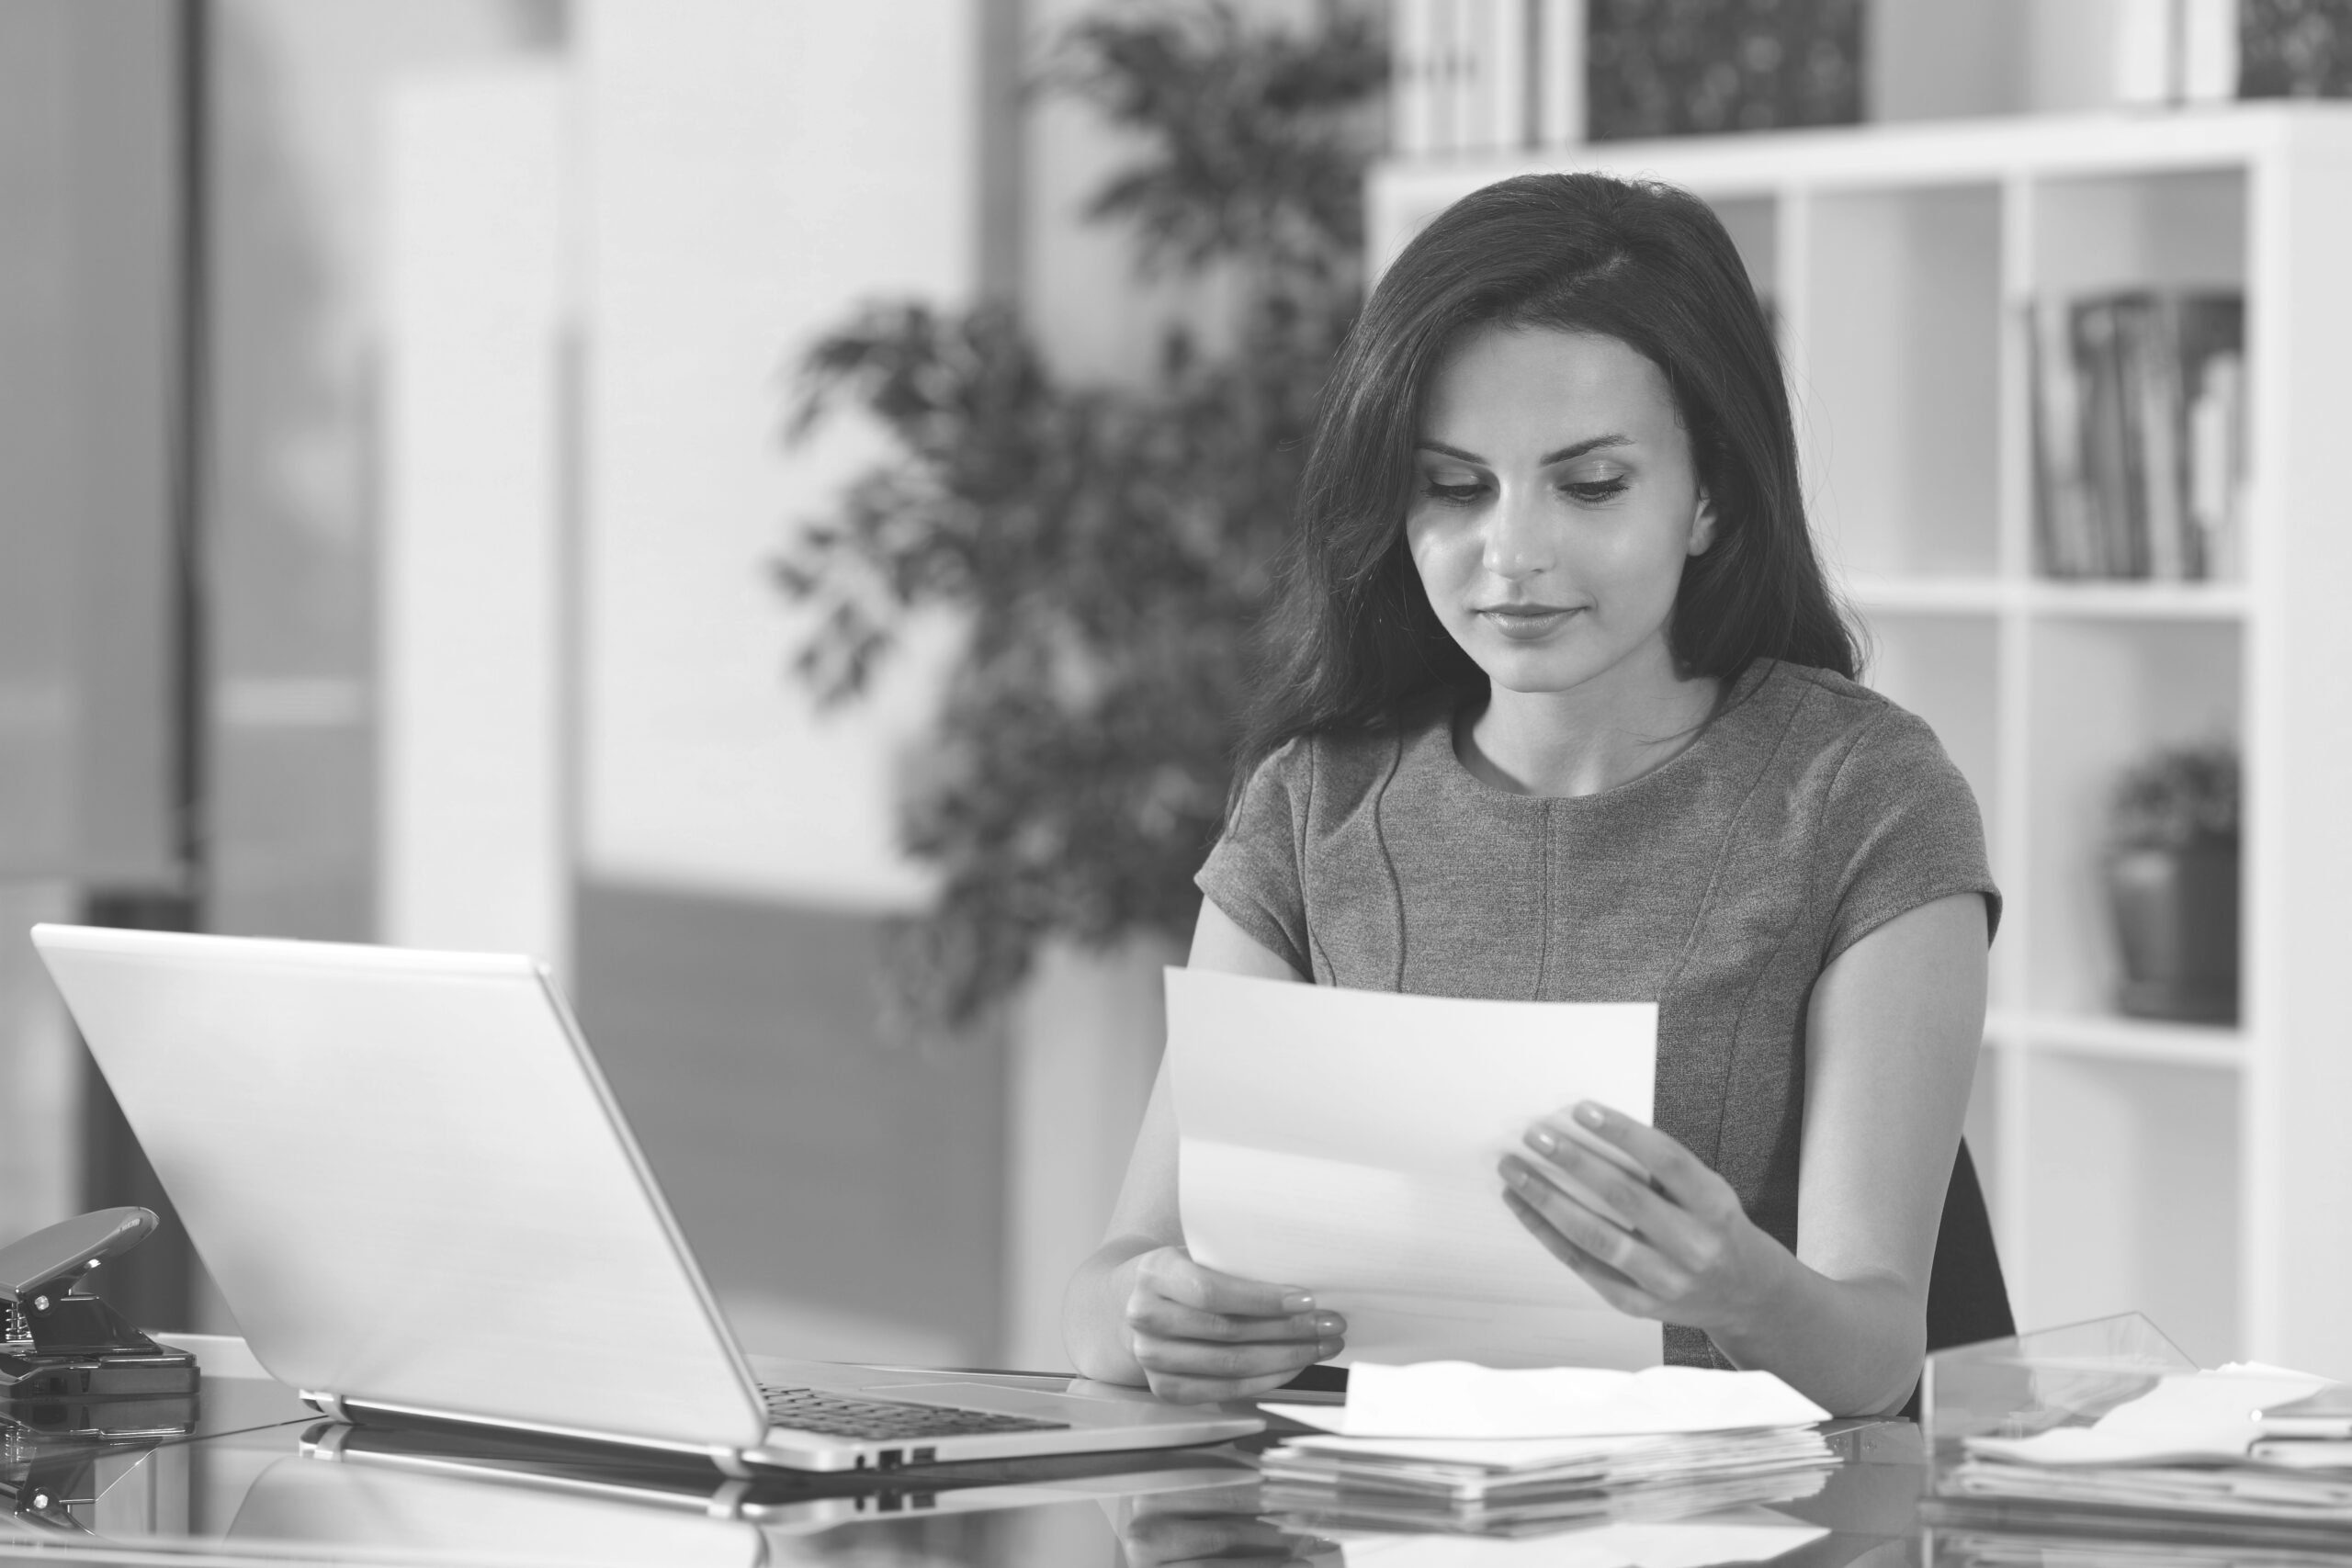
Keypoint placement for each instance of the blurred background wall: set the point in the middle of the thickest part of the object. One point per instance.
(351, 291)
(389, 482)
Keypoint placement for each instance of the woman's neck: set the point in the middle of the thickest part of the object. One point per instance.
(1606, 732)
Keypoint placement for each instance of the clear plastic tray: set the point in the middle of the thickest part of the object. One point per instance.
(2054, 1377)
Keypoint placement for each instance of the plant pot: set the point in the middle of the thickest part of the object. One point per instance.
(2177, 922)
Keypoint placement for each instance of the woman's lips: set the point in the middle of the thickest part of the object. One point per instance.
(1527, 623)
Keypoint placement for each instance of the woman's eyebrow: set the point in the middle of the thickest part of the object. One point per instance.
(1575, 450)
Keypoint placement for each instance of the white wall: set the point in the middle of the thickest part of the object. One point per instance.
(754, 170)
(87, 327)
(475, 752)
(296, 293)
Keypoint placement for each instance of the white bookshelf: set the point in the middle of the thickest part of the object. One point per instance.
(2203, 1175)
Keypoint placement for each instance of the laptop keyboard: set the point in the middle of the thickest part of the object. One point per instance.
(887, 1420)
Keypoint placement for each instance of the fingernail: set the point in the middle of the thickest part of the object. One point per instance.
(1327, 1349)
(1298, 1301)
(1515, 1175)
(1327, 1323)
(1544, 1140)
(1592, 1115)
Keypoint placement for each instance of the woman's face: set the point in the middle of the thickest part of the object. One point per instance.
(1556, 503)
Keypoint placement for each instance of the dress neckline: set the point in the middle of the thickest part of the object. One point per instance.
(1444, 737)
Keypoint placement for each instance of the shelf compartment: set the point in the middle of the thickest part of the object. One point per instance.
(1902, 468)
(1983, 1129)
(1874, 593)
(1754, 224)
(2138, 600)
(2113, 1037)
(2181, 229)
(1944, 668)
(2134, 1172)
(2102, 695)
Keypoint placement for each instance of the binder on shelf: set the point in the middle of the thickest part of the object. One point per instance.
(1451, 105)
(1486, 75)
(1413, 45)
(1557, 73)
(1505, 98)
(2137, 415)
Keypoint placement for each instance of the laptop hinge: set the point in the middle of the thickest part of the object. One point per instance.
(328, 1404)
(729, 1462)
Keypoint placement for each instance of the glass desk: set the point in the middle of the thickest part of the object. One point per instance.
(262, 1479)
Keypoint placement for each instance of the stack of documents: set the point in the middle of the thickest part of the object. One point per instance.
(2245, 1444)
(1455, 1447)
(1729, 1536)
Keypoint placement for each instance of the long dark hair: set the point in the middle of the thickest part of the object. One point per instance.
(1351, 643)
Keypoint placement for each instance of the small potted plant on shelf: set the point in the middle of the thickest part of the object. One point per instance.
(2172, 877)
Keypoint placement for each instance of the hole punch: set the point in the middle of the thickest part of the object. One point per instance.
(68, 1361)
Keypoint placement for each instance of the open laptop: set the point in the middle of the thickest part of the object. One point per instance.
(417, 1194)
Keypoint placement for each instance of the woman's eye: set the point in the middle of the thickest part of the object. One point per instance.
(1591, 491)
(1452, 494)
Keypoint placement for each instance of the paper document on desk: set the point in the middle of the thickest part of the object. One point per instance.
(2188, 1418)
(1746, 1535)
(1345, 1141)
(1454, 1400)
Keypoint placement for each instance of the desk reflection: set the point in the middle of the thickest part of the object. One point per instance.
(325, 1508)
(253, 1486)
(1223, 1524)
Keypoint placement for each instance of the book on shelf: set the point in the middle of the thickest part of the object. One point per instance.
(2139, 434)
(1486, 75)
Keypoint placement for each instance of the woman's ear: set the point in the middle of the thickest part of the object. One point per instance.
(1702, 525)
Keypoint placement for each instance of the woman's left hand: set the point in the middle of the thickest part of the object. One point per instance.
(1676, 1247)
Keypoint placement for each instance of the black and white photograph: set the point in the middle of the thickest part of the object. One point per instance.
(1151, 784)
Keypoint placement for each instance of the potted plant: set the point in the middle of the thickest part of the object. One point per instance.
(2172, 878)
(1107, 548)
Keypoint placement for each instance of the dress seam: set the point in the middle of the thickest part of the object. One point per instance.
(1298, 854)
(1821, 812)
(1544, 893)
(1698, 922)
(1723, 849)
(1388, 860)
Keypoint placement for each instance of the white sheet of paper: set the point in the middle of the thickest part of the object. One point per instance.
(1345, 1141)
(1452, 1399)
(2189, 1417)
(1747, 1535)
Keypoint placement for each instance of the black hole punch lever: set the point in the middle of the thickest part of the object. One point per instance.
(61, 1340)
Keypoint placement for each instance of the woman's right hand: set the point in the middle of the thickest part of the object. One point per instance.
(1200, 1335)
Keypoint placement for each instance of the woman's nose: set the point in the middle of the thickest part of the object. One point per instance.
(1519, 542)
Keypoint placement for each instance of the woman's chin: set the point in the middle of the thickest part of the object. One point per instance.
(1540, 671)
(1572, 659)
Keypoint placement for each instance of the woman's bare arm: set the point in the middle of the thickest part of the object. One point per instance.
(1892, 1043)
(1209, 1335)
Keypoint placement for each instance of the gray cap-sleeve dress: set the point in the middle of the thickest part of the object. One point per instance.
(1808, 812)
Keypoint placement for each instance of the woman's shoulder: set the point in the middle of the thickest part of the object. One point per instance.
(1340, 764)
(1830, 709)
(1845, 736)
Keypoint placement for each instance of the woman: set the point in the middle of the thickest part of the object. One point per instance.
(1560, 708)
